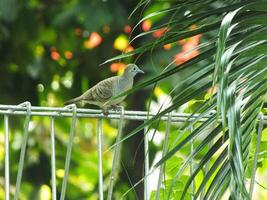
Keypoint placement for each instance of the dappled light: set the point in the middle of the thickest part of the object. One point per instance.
(146, 25)
(121, 42)
(93, 40)
(133, 100)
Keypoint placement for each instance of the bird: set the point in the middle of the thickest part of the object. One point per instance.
(103, 92)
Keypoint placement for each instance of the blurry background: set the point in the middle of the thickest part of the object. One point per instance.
(50, 51)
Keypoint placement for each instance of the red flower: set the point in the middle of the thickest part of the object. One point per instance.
(158, 33)
(54, 54)
(129, 48)
(188, 49)
(93, 41)
(146, 25)
(182, 57)
(167, 46)
(127, 29)
(114, 67)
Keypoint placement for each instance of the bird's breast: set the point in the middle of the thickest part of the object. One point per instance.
(124, 85)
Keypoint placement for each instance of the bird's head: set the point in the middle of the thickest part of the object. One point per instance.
(131, 70)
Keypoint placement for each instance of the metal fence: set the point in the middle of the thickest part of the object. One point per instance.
(25, 109)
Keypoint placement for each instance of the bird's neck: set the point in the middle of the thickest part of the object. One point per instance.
(124, 79)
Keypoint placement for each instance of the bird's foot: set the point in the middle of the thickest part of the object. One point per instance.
(112, 107)
(105, 112)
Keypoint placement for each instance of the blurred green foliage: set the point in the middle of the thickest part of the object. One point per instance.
(50, 51)
(45, 60)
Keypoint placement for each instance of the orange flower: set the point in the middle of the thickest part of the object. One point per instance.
(129, 49)
(195, 39)
(182, 57)
(191, 54)
(182, 42)
(167, 46)
(115, 67)
(187, 47)
(68, 55)
(127, 29)
(188, 50)
(179, 58)
(158, 33)
(54, 54)
(146, 25)
(93, 41)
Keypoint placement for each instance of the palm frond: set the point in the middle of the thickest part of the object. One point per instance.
(233, 61)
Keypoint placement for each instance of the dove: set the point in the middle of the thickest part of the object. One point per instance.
(102, 93)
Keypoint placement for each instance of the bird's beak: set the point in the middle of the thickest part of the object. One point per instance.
(140, 71)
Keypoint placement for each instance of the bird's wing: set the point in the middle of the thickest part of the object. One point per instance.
(102, 91)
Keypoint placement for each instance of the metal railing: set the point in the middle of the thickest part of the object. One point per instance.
(25, 109)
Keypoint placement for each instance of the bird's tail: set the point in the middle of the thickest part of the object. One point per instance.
(75, 101)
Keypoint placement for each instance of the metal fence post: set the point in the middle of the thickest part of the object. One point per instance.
(116, 157)
(69, 148)
(23, 148)
(6, 158)
(53, 159)
(99, 155)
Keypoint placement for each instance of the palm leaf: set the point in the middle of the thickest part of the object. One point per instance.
(239, 72)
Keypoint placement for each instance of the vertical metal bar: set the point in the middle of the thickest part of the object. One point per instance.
(164, 151)
(254, 167)
(116, 157)
(53, 159)
(99, 152)
(6, 158)
(192, 166)
(146, 151)
(69, 148)
(23, 148)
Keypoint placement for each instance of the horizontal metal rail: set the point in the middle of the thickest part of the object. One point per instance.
(94, 113)
(91, 113)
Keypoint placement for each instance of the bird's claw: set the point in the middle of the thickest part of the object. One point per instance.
(113, 107)
(105, 112)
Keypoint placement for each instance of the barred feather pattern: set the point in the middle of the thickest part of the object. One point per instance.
(101, 94)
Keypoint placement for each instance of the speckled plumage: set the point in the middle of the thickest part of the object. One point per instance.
(101, 93)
